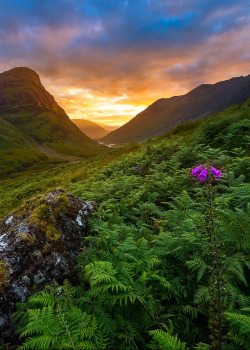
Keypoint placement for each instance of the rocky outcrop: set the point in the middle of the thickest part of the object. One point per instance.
(38, 246)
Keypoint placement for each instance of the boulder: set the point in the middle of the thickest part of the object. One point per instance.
(39, 242)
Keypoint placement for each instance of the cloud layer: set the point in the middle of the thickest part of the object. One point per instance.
(107, 60)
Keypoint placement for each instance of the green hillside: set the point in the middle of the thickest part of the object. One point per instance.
(18, 152)
(158, 248)
(166, 113)
(54, 130)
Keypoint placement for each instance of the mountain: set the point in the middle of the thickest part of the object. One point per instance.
(109, 128)
(89, 128)
(166, 113)
(34, 125)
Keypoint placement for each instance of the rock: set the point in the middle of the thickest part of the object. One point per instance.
(38, 245)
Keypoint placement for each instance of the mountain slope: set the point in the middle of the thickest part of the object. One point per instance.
(18, 152)
(166, 113)
(89, 128)
(25, 104)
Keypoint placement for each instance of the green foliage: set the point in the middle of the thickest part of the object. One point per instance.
(54, 322)
(230, 128)
(163, 340)
(240, 328)
(145, 272)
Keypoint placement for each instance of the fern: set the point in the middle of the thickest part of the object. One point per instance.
(240, 328)
(166, 341)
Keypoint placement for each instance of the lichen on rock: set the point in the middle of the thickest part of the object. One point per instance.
(39, 242)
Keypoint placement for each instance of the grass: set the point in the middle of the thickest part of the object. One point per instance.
(18, 153)
(18, 187)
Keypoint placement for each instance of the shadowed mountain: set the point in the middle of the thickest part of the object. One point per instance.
(34, 125)
(89, 128)
(166, 113)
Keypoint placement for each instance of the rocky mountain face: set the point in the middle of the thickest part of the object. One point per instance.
(31, 111)
(21, 88)
(166, 113)
(38, 246)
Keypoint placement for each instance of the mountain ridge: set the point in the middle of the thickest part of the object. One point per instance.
(166, 113)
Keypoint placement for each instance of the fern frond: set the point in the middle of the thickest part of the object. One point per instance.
(166, 341)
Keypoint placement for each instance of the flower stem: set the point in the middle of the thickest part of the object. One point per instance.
(217, 323)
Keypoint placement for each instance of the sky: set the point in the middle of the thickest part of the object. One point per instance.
(107, 60)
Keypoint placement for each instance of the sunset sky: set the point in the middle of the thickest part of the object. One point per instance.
(106, 60)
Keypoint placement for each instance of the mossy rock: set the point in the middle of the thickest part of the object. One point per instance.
(39, 242)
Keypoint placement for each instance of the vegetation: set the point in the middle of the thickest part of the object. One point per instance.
(166, 264)
(17, 152)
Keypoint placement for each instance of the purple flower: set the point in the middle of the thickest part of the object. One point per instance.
(138, 169)
(215, 172)
(203, 175)
(196, 171)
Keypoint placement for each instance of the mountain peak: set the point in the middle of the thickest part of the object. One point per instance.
(21, 87)
(21, 72)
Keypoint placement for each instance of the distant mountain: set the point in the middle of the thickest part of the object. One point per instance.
(31, 119)
(109, 128)
(166, 113)
(89, 128)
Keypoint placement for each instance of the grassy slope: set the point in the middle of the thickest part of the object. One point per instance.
(228, 129)
(18, 187)
(18, 152)
(56, 131)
